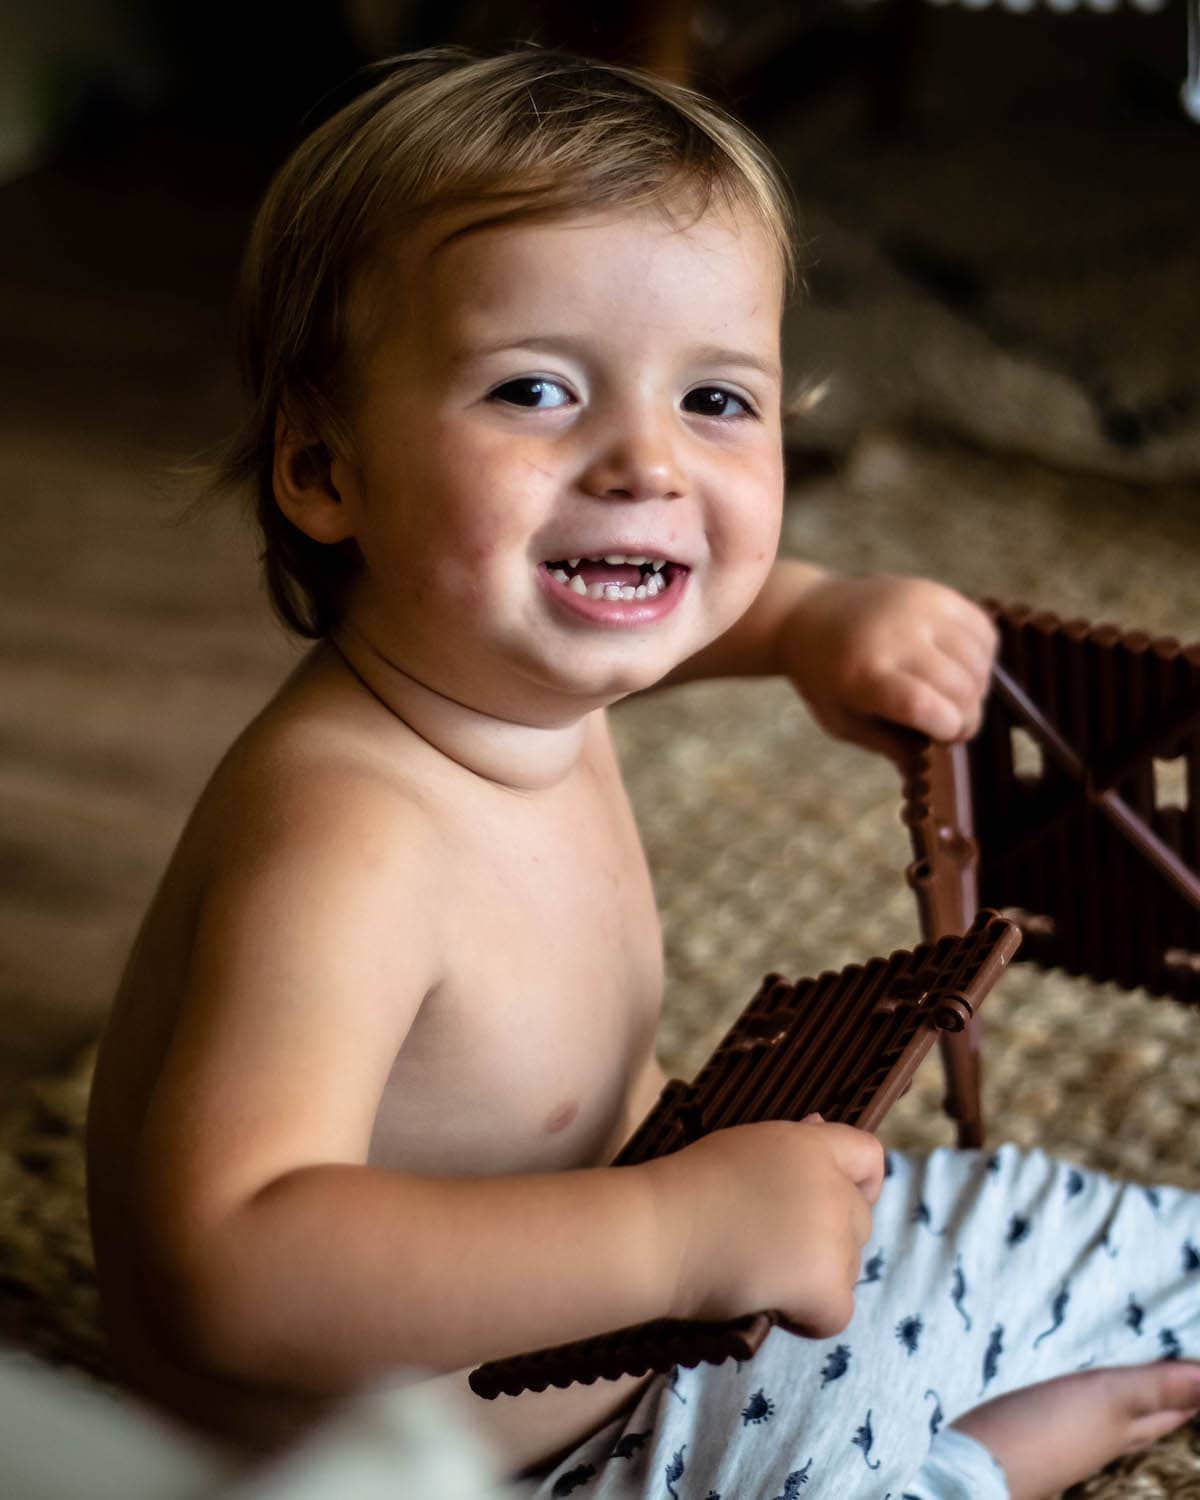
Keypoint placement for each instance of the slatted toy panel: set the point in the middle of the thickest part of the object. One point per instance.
(1085, 787)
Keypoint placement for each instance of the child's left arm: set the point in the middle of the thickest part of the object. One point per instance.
(871, 656)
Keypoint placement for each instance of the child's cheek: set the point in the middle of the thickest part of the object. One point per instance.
(747, 549)
(468, 574)
(461, 581)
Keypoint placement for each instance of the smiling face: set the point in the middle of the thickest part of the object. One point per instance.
(567, 474)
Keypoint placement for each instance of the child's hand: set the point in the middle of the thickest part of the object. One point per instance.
(870, 654)
(773, 1217)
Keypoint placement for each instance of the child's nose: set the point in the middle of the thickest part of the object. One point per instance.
(639, 464)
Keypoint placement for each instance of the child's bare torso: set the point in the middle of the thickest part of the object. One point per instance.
(534, 1053)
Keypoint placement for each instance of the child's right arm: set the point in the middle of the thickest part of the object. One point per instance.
(280, 1258)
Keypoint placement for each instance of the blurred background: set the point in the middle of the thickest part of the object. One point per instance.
(1001, 223)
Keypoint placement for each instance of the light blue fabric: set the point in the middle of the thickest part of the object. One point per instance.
(985, 1272)
(957, 1468)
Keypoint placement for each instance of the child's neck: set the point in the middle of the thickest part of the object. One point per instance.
(524, 757)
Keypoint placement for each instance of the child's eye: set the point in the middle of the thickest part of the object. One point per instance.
(716, 401)
(532, 391)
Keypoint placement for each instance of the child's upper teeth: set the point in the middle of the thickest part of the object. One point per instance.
(615, 560)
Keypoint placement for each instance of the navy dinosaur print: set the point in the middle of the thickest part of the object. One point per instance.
(992, 1164)
(1074, 1183)
(1134, 1315)
(921, 1215)
(908, 1333)
(1168, 1342)
(836, 1365)
(888, 1165)
(936, 1416)
(674, 1472)
(757, 1409)
(864, 1438)
(1153, 1198)
(872, 1270)
(629, 1444)
(958, 1292)
(712, 1495)
(1191, 1258)
(791, 1485)
(991, 1357)
(1018, 1230)
(1058, 1312)
(573, 1479)
(673, 1380)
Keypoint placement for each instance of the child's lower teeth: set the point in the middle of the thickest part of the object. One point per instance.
(621, 592)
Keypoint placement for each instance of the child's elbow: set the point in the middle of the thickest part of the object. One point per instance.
(199, 1307)
(189, 1315)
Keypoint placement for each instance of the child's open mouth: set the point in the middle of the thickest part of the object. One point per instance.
(616, 577)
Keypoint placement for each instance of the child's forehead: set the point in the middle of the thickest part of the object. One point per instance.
(467, 265)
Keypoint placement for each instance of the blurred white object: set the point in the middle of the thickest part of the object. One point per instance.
(1190, 93)
(398, 1440)
(63, 1438)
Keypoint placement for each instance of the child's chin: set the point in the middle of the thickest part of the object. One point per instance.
(612, 686)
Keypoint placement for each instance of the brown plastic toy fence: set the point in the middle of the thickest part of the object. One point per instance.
(1075, 810)
(843, 1045)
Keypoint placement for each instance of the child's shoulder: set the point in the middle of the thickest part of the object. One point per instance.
(310, 853)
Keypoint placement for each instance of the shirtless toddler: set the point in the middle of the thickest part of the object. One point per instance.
(512, 334)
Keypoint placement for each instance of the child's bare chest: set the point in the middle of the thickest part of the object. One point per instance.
(536, 1051)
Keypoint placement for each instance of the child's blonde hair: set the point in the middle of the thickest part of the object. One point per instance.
(531, 133)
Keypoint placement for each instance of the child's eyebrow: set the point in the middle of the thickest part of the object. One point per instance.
(470, 349)
(705, 354)
(713, 354)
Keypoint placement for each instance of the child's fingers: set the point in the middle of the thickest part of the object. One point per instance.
(973, 657)
(911, 700)
(1166, 1386)
(860, 1157)
(1160, 1403)
(956, 684)
(974, 622)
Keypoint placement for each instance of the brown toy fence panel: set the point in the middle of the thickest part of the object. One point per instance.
(844, 1045)
(1085, 783)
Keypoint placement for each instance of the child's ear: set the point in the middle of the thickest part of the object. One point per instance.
(304, 487)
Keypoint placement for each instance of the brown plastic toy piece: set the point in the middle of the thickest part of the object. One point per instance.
(944, 878)
(1091, 848)
(845, 1045)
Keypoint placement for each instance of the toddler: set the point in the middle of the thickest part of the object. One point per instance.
(512, 332)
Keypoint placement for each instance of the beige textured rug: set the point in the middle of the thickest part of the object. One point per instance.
(773, 848)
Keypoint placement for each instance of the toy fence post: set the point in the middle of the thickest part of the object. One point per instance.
(944, 878)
